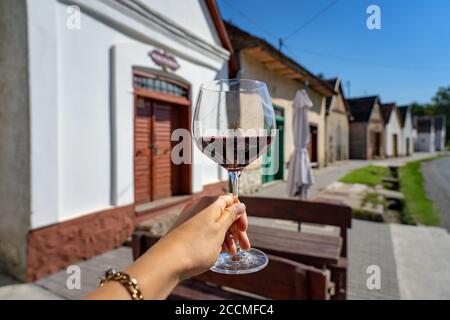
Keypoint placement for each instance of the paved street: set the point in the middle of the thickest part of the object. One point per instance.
(437, 184)
(326, 176)
(422, 257)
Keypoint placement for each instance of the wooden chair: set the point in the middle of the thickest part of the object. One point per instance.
(281, 279)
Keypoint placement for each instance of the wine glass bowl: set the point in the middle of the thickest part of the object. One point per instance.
(234, 124)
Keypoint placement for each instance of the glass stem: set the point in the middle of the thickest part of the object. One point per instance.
(234, 182)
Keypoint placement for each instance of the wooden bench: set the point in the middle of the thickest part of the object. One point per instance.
(329, 213)
(281, 279)
(319, 250)
(315, 250)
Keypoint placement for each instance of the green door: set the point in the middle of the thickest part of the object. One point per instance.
(274, 158)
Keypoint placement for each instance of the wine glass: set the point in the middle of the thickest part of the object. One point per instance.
(234, 124)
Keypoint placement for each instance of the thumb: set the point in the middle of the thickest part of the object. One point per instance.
(230, 215)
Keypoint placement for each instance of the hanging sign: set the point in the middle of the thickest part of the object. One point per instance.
(164, 60)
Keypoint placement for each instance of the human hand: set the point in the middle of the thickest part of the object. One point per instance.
(198, 241)
(186, 251)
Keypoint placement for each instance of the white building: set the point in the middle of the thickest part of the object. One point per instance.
(425, 141)
(393, 129)
(89, 99)
(407, 133)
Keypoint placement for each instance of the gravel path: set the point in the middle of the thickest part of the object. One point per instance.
(437, 184)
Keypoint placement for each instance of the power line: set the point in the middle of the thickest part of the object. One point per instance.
(363, 62)
(282, 44)
(250, 20)
(317, 15)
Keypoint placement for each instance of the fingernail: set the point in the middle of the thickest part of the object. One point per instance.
(240, 208)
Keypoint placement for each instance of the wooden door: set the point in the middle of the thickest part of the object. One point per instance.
(395, 145)
(339, 144)
(280, 148)
(407, 146)
(377, 144)
(312, 146)
(142, 153)
(153, 166)
(161, 149)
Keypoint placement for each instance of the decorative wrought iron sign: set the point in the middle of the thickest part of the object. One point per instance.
(164, 60)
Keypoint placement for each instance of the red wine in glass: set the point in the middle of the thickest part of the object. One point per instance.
(234, 153)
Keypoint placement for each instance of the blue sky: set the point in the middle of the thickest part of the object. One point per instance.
(407, 60)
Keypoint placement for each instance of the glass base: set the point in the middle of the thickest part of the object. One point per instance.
(246, 261)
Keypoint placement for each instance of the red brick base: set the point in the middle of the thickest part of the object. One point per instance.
(55, 247)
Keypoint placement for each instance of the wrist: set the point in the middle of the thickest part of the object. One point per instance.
(157, 271)
(171, 256)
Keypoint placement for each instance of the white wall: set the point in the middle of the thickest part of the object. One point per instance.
(440, 140)
(192, 13)
(44, 112)
(425, 142)
(407, 132)
(393, 127)
(76, 169)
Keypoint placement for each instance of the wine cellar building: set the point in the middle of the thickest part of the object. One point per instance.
(103, 84)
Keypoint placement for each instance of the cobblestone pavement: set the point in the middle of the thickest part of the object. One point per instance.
(91, 271)
(370, 243)
(437, 183)
(11, 289)
(27, 291)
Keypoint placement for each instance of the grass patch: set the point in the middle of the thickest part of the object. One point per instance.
(373, 199)
(370, 175)
(418, 207)
(364, 215)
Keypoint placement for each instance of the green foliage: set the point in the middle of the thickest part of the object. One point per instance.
(364, 215)
(374, 199)
(370, 175)
(418, 207)
(406, 217)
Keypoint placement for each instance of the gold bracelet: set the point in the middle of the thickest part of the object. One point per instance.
(124, 279)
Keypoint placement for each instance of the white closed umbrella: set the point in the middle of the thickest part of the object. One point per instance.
(300, 175)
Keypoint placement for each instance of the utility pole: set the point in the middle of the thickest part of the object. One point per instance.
(280, 44)
(348, 85)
